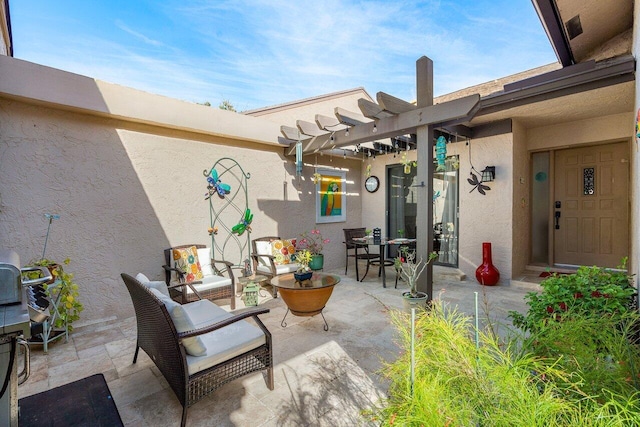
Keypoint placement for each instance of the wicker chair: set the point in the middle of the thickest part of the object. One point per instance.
(222, 273)
(158, 337)
(264, 261)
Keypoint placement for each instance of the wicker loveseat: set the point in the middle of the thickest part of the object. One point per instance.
(228, 346)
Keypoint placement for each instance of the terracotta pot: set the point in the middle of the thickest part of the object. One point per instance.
(486, 273)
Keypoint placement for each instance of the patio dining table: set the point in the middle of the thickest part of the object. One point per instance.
(383, 244)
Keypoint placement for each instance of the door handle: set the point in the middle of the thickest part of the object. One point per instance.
(557, 216)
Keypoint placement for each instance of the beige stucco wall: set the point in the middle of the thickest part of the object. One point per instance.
(128, 187)
(615, 127)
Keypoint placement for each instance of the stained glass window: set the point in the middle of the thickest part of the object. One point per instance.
(589, 181)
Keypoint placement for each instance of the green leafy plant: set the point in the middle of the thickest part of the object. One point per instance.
(303, 258)
(589, 290)
(64, 290)
(495, 381)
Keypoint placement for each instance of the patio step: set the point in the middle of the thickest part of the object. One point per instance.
(530, 277)
(448, 273)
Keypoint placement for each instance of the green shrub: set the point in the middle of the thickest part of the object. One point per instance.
(591, 290)
(505, 383)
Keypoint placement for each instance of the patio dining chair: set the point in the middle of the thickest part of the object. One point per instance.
(350, 245)
(198, 347)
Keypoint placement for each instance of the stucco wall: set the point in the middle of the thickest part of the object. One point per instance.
(127, 190)
(614, 127)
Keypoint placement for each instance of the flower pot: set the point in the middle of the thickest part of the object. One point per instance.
(419, 301)
(486, 273)
(317, 262)
(303, 276)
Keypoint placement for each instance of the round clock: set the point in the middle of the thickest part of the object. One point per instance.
(371, 184)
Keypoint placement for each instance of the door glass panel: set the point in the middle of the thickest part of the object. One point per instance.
(540, 205)
(402, 208)
(445, 213)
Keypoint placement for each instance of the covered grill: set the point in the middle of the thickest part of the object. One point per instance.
(14, 329)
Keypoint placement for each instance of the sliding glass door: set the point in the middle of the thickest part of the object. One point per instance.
(402, 208)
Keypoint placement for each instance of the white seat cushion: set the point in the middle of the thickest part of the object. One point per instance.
(287, 268)
(226, 343)
(195, 315)
(210, 282)
(280, 268)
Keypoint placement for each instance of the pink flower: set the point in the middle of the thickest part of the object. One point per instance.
(315, 231)
(325, 241)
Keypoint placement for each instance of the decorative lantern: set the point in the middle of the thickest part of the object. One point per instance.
(250, 294)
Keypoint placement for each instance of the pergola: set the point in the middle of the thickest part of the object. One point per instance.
(394, 118)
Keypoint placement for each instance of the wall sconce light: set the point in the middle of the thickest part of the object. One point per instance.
(488, 174)
(375, 128)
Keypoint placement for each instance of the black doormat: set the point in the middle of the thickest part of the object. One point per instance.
(86, 402)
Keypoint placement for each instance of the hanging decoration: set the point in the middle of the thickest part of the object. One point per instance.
(316, 177)
(473, 179)
(441, 153)
(216, 186)
(244, 224)
(368, 170)
(299, 156)
(408, 163)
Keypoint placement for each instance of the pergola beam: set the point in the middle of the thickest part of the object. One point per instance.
(330, 124)
(292, 133)
(394, 105)
(461, 109)
(309, 128)
(372, 110)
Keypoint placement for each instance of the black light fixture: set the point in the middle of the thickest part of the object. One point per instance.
(488, 174)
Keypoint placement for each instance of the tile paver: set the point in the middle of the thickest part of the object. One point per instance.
(321, 378)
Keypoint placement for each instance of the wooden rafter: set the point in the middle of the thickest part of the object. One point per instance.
(330, 124)
(450, 112)
(309, 128)
(372, 110)
(394, 105)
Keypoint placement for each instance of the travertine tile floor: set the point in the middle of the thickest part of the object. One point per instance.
(321, 378)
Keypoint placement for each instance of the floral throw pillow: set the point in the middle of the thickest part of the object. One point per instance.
(186, 260)
(282, 250)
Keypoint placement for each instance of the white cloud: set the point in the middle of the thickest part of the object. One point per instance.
(263, 52)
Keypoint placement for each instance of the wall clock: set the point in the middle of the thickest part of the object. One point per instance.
(372, 184)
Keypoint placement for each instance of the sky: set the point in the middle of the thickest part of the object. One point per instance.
(258, 53)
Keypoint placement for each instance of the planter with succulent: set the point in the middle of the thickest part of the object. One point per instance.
(304, 272)
(62, 292)
(410, 270)
(313, 242)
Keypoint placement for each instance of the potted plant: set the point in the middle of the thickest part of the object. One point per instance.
(63, 290)
(410, 270)
(303, 258)
(313, 242)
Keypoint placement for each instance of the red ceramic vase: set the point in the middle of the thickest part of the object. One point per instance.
(487, 273)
